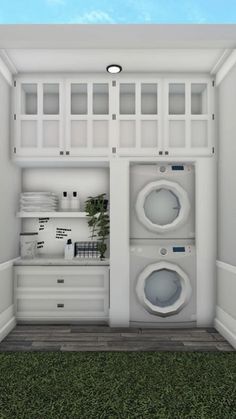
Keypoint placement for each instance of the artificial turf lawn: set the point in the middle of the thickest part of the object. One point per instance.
(117, 385)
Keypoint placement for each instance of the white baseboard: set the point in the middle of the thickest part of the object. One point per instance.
(7, 322)
(226, 326)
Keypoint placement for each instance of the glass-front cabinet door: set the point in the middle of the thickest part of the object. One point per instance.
(188, 115)
(38, 118)
(88, 118)
(138, 121)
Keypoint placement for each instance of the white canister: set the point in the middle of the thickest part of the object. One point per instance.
(28, 245)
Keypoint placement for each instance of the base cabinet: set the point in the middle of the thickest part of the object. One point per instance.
(61, 293)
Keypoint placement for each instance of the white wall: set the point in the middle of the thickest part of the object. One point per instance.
(226, 266)
(119, 243)
(10, 183)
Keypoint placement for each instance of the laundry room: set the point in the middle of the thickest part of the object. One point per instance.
(148, 135)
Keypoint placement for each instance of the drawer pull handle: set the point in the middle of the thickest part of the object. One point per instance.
(60, 281)
(60, 305)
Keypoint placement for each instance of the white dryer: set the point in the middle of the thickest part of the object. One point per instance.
(162, 283)
(162, 201)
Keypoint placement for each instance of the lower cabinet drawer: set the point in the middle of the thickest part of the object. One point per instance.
(76, 277)
(90, 307)
(61, 292)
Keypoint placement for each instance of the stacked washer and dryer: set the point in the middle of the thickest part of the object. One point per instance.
(162, 245)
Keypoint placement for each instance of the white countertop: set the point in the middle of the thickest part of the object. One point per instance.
(55, 261)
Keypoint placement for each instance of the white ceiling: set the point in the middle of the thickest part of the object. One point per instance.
(117, 36)
(94, 60)
(138, 48)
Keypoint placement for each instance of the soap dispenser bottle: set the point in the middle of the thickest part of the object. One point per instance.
(75, 202)
(65, 203)
(69, 250)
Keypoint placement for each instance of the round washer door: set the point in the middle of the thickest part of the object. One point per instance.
(163, 289)
(162, 206)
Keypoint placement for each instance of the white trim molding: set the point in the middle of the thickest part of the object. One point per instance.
(226, 67)
(8, 61)
(6, 73)
(226, 266)
(7, 322)
(220, 62)
(8, 264)
(226, 326)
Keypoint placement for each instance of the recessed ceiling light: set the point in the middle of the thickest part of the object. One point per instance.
(114, 68)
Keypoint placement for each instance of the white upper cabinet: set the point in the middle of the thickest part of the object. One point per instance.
(88, 118)
(38, 118)
(188, 117)
(138, 120)
(139, 116)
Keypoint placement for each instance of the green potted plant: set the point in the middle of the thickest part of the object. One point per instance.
(98, 220)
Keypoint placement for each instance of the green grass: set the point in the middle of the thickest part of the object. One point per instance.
(117, 385)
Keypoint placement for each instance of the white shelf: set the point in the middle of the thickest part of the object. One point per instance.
(55, 214)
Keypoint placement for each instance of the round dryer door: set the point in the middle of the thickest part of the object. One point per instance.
(162, 206)
(163, 289)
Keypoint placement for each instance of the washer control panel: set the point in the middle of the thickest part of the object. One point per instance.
(172, 169)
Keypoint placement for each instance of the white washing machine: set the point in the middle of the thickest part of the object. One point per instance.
(162, 201)
(162, 283)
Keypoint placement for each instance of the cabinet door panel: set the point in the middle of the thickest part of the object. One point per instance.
(38, 118)
(139, 122)
(88, 108)
(188, 117)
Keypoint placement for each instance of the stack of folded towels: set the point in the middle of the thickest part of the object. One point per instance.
(38, 201)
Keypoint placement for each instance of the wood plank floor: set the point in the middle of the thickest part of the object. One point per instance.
(103, 338)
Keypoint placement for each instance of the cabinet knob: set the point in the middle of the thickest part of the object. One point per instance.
(60, 305)
(60, 281)
(67, 153)
(61, 153)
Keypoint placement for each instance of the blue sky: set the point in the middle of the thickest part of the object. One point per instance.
(121, 11)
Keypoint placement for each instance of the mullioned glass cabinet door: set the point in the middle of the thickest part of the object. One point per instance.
(188, 117)
(138, 121)
(88, 118)
(38, 118)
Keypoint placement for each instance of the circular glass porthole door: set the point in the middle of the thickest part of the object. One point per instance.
(163, 289)
(162, 206)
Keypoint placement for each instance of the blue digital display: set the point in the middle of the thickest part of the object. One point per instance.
(177, 167)
(179, 249)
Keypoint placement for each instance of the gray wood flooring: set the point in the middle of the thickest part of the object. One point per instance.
(103, 338)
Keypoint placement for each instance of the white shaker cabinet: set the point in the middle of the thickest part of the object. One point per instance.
(188, 117)
(138, 115)
(38, 117)
(60, 293)
(88, 117)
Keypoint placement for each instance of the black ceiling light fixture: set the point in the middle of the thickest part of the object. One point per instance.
(114, 68)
